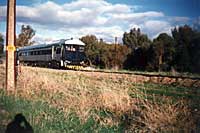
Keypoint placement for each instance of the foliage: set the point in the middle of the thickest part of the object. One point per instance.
(104, 55)
(187, 48)
(135, 39)
(24, 38)
(163, 50)
(180, 52)
(139, 44)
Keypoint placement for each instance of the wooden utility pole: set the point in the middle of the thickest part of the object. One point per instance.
(10, 46)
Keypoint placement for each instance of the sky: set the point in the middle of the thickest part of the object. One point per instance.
(107, 19)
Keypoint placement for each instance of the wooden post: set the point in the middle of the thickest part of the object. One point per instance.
(10, 46)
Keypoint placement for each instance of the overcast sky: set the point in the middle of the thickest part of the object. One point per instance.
(56, 19)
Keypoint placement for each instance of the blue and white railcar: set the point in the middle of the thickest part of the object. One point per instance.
(58, 53)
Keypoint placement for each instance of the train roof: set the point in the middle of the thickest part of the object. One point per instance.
(74, 42)
(54, 43)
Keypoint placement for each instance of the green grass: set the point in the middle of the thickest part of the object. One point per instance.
(68, 101)
(47, 119)
(166, 90)
(157, 91)
(181, 74)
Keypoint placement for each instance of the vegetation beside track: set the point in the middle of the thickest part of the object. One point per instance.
(73, 101)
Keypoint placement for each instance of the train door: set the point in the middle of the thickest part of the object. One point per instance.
(58, 53)
(53, 53)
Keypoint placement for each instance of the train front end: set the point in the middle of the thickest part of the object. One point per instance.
(73, 54)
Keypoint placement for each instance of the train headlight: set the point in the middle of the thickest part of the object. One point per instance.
(82, 62)
(68, 62)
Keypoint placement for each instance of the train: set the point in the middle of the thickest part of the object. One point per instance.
(64, 53)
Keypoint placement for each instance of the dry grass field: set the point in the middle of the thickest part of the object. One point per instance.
(73, 101)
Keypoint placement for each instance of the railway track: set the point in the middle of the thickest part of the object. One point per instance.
(179, 80)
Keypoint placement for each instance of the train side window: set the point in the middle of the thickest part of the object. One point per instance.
(44, 52)
(58, 50)
(49, 51)
(81, 49)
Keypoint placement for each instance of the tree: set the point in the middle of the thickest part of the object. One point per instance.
(183, 38)
(89, 39)
(115, 55)
(164, 50)
(131, 39)
(138, 43)
(91, 48)
(24, 38)
(135, 39)
(195, 53)
(104, 55)
(1, 43)
(187, 46)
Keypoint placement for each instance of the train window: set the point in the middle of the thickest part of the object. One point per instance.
(24, 53)
(81, 49)
(70, 48)
(44, 52)
(49, 51)
(58, 50)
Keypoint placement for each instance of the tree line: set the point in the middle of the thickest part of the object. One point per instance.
(180, 52)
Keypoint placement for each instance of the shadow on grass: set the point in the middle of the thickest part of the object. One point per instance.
(19, 125)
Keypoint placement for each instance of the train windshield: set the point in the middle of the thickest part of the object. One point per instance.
(74, 48)
(74, 53)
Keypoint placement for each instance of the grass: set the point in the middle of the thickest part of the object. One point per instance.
(169, 73)
(72, 101)
(168, 90)
(46, 119)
